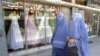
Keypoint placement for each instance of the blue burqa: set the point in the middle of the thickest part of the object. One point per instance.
(59, 42)
(78, 31)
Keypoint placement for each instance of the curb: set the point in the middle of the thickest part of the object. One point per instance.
(30, 51)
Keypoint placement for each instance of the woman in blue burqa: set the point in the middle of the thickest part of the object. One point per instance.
(59, 42)
(79, 33)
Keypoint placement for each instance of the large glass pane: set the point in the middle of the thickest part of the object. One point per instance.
(49, 24)
(14, 26)
(35, 25)
(91, 19)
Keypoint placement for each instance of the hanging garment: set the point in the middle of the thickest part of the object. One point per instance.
(45, 30)
(32, 35)
(14, 37)
(79, 32)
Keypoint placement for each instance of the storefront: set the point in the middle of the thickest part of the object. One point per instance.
(92, 18)
(29, 30)
(30, 25)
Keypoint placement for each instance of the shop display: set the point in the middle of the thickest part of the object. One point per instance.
(48, 31)
(45, 30)
(32, 35)
(14, 37)
(41, 22)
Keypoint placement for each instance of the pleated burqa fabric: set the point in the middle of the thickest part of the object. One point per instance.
(79, 32)
(59, 42)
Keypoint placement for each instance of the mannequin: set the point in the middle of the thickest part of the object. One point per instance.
(45, 28)
(32, 35)
(14, 37)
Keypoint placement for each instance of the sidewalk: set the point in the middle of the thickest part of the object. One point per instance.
(94, 49)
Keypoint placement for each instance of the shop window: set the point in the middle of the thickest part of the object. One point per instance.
(31, 26)
(44, 24)
(28, 28)
(14, 26)
(92, 21)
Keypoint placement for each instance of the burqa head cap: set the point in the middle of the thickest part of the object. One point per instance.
(77, 16)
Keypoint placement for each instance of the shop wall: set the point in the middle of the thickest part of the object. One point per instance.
(3, 47)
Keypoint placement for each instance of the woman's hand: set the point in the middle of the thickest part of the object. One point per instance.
(70, 40)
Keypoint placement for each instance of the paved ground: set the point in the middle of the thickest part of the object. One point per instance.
(94, 49)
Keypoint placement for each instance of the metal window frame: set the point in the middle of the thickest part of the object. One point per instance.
(62, 3)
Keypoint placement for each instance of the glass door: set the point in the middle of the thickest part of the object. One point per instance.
(92, 20)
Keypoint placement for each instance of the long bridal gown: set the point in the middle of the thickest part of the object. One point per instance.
(45, 31)
(14, 37)
(32, 35)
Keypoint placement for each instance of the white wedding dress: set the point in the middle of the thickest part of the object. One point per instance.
(14, 37)
(45, 31)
